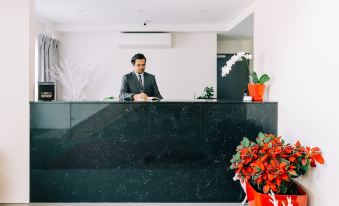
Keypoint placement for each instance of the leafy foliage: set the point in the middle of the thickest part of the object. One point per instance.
(110, 98)
(208, 93)
(270, 163)
(262, 80)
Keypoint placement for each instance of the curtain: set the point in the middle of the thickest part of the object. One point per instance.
(48, 56)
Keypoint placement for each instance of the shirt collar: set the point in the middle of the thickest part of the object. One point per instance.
(142, 75)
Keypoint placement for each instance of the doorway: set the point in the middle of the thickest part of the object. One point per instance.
(232, 86)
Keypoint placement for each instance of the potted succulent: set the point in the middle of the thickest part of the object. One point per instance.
(256, 86)
(270, 164)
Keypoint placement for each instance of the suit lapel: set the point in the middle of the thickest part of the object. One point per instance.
(146, 79)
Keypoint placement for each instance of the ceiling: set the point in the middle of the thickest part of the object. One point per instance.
(210, 15)
(243, 30)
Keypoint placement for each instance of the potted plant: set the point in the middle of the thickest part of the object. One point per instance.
(208, 93)
(270, 164)
(256, 86)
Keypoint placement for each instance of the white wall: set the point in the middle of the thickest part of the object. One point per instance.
(296, 42)
(187, 68)
(15, 21)
(39, 27)
(234, 46)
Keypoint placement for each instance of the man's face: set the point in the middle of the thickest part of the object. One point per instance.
(139, 66)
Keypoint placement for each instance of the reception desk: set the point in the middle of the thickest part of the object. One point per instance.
(167, 151)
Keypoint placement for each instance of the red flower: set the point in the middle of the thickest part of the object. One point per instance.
(270, 164)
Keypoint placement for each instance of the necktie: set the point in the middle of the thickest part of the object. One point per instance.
(140, 82)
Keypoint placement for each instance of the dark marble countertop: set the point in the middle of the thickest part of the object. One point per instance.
(95, 101)
(167, 151)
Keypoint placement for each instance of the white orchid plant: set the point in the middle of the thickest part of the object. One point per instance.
(240, 56)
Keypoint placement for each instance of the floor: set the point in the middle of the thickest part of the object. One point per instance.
(125, 204)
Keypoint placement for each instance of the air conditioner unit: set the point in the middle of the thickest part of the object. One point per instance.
(144, 40)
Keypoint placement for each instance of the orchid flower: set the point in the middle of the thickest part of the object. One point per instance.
(225, 70)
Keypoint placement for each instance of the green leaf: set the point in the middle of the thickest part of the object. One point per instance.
(258, 169)
(270, 145)
(303, 170)
(259, 140)
(237, 156)
(263, 79)
(261, 135)
(283, 188)
(284, 160)
(267, 139)
(245, 142)
(233, 160)
(254, 77)
(111, 97)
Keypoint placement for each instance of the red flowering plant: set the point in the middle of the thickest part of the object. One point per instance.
(271, 164)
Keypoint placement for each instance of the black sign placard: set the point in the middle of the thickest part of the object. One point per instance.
(46, 91)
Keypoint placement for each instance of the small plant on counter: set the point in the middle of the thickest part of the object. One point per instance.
(208, 93)
(110, 98)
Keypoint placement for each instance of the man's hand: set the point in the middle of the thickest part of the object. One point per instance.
(140, 97)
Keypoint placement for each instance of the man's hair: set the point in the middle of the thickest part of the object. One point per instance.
(137, 56)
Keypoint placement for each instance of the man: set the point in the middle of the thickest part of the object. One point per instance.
(138, 85)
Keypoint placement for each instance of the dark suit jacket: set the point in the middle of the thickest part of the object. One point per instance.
(130, 85)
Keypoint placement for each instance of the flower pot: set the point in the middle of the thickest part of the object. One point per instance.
(256, 91)
(255, 198)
